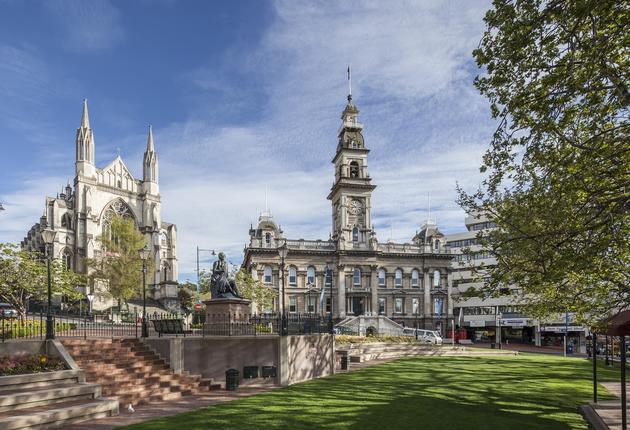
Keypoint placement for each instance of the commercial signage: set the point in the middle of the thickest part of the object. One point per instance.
(481, 323)
(561, 328)
(514, 322)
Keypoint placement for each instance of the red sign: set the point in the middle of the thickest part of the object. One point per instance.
(198, 307)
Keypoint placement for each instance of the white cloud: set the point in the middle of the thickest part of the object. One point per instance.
(412, 79)
(87, 25)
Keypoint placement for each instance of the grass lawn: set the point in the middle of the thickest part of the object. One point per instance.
(528, 391)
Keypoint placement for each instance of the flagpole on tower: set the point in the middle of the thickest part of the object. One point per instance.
(349, 84)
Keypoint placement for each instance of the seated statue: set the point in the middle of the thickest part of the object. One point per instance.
(220, 285)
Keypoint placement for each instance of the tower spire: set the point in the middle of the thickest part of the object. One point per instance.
(85, 118)
(150, 139)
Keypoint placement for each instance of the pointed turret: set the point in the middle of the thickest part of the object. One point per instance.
(150, 166)
(85, 118)
(85, 146)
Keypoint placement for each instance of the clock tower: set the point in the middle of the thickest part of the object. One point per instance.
(352, 190)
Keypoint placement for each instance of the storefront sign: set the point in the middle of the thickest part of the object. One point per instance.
(478, 323)
(514, 322)
(561, 328)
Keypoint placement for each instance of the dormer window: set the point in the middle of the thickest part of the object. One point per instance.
(268, 239)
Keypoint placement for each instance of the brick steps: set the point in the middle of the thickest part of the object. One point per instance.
(130, 372)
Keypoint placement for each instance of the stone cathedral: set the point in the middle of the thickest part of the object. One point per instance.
(80, 213)
(409, 283)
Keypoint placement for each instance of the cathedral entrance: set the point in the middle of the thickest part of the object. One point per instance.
(358, 306)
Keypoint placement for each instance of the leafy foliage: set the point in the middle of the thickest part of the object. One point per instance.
(119, 264)
(186, 295)
(30, 364)
(254, 290)
(558, 177)
(23, 277)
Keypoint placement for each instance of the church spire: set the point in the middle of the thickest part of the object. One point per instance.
(150, 165)
(85, 118)
(84, 142)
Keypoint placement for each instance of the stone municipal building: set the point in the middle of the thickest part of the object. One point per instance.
(80, 214)
(406, 282)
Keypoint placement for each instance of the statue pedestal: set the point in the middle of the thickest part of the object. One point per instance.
(227, 309)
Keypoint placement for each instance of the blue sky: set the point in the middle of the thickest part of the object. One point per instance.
(242, 96)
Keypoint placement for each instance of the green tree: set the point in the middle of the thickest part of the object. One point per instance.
(255, 290)
(187, 293)
(23, 277)
(119, 265)
(557, 178)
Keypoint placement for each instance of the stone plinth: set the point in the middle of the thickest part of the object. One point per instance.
(227, 309)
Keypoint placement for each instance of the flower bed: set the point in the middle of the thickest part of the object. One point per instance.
(344, 339)
(30, 364)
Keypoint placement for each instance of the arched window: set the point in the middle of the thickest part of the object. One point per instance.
(268, 239)
(415, 278)
(355, 235)
(354, 169)
(267, 275)
(66, 258)
(398, 278)
(381, 277)
(356, 276)
(163, 239)
(310, 275)
(292, 275)
(436, 278)
(437, 245)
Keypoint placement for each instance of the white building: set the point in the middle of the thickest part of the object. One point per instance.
(80, 213)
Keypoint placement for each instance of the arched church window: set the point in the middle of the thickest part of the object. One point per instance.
(163, 239)
(356, 276)
(268, 239)
(354, 169)
(310, 275)
(353, 143)
(355, 235)
(116, 208)
(267, 275)
(66, 258)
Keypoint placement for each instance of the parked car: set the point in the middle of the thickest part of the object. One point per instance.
(7, 311)
(426, 336)
(342, 330)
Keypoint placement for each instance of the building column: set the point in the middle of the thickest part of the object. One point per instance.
(341, 292)
(427, 294)
(374, 288)
(449, 290)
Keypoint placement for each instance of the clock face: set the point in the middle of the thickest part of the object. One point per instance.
(355, 207)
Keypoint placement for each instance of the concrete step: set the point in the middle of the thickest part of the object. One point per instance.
(43, 379)
(21, 399)
(58, 415)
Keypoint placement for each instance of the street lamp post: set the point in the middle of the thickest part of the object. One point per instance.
(283, 251)
(48, 235)
(330, 314)
(144, 255)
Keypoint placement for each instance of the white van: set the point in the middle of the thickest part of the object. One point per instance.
(426, 336)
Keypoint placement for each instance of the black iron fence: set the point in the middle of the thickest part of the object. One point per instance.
(129, 325)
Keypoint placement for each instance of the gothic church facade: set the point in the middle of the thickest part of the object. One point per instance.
(80, 214)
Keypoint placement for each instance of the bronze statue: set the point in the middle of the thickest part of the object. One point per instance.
(220, 285)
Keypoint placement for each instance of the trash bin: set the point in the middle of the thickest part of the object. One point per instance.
(344, 362)
(231, 379)
(570, 348)
(493, 345)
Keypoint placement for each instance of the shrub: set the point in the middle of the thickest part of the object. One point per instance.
(30, 364)
(13, 329)
(374, 339)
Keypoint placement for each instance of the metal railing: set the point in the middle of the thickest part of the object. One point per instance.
(160, 324)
